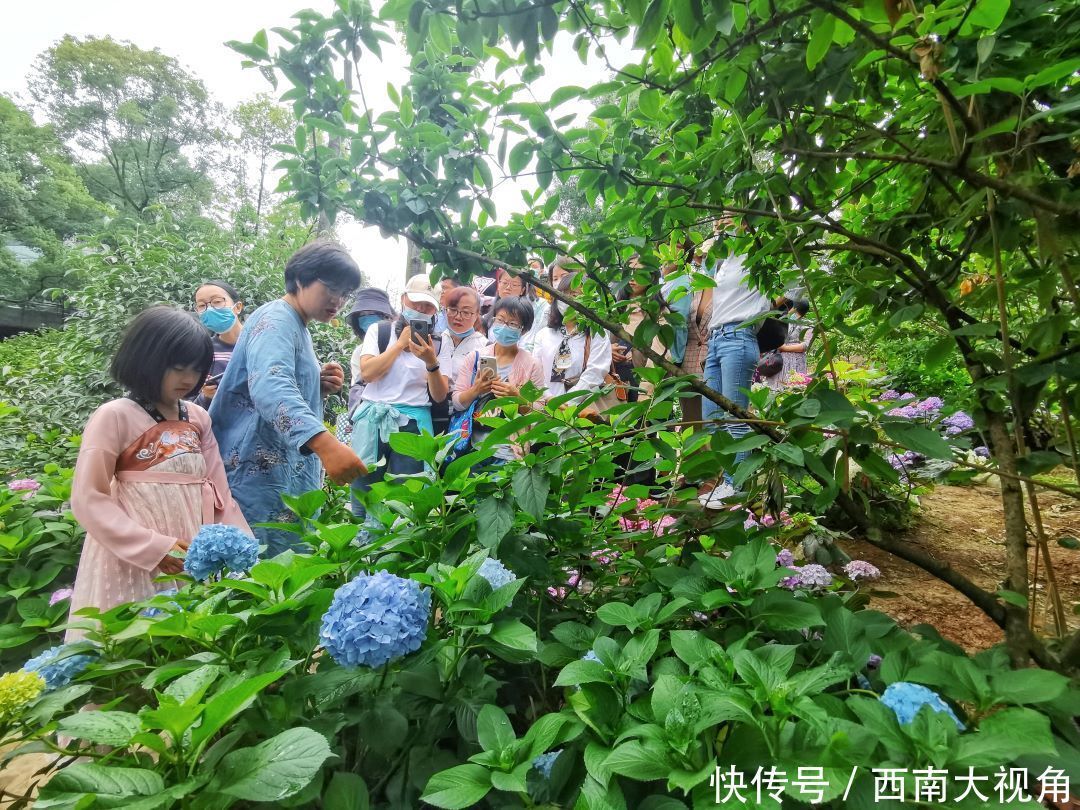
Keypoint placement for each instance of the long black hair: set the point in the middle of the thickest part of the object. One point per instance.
(156, 340)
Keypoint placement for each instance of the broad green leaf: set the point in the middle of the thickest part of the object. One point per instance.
(493, 729)
(638, 761)
(494, 517)
(1004, 736)
(821, 39)
(113, 786)
(275, 769)
(104, 728)
(346, 791)
(457, 788)
(1028, 685)
(225, 706)
(530, 487)
(618, 615)
(918, 438)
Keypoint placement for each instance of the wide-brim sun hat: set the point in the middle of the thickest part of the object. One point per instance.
(418, 291)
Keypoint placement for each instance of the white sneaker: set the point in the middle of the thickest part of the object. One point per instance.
(715, 499)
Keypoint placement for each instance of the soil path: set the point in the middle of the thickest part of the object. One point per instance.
(963, 526)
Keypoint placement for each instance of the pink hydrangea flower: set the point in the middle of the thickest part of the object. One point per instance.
(23, 485)
(860, 569)
(768, 521)
(60, 596)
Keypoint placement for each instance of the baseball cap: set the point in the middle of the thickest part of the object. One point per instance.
(418, 290)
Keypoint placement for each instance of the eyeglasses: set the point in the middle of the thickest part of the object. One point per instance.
(215, 303)
(340, 293)
(501, 322)
(511, 284)
(461, 313)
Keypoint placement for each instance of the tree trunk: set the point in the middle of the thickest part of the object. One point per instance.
(414, 266)
(1017, 632)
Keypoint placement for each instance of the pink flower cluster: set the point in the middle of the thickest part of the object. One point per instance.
(630, 523)
(26, 485)
(766, 521)
(60, 596)
(572, 580)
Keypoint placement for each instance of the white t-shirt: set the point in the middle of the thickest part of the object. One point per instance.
(406, 381)
(734, 301)
(591, 377)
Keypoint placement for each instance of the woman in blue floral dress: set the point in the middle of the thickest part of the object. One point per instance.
(268, 411)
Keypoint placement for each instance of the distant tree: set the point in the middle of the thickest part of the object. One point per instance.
(258, 125)
(135, 118)
(42, 202)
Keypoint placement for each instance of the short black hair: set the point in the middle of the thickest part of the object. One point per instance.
(516, 306)
(555, 318)
(232, 292)
(322, 261)
(156, 340)
(802, 306)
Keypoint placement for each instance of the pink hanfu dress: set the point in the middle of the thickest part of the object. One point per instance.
(140, 485)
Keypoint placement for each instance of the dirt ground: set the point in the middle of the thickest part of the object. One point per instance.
(963, 526)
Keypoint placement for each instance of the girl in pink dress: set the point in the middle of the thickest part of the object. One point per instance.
(149, 473)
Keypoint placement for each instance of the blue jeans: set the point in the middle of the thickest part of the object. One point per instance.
(729, 368)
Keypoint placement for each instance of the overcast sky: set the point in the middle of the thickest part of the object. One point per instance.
(194, 32)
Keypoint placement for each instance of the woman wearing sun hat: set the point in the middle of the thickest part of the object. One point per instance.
(403, 378)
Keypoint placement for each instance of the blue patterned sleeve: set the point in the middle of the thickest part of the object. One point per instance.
(279, 396)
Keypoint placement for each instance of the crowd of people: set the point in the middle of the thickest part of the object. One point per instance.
(222, 418)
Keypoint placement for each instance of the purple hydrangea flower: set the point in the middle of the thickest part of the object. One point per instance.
(791, 583)
(905, 412)
(982, 451)
(957, 423)
(60, 596)
(860, 569)
(930, 405)
(496, 573)
(873, 662)
(890, 395)
(217, 547)
(905, 699)
(904, 461)
(814, 576)
(785, 559)
(374, 619)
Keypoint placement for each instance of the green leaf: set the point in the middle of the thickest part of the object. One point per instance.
(494, 517)
(104, 728)
(782, 610)
(649, 29)
(520, 156)
(988, 14)
(275, 769)
(639, 762)
(649, 103)
(1028, 685)
(493, 729)
(458, 787)
(821, 39)
(918, 438)
(225, 706)
(617, 614)
(578, 672)
(1004, 736)
(1013, 598)
(346, 791)
(530, 487)
(114, 787)
(514, 635)
(790, 453)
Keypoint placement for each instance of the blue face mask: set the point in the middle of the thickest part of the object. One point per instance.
(365, 321)
(218, 321)
(464, 334)
(506, 335)
(412, 315)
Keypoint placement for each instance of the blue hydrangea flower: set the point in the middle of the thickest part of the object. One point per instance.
(496, 573)
(57, 673)
(591, 656)
(375, 619)
(153, 612)
(545, 762)
(217, 547)
(905, 699)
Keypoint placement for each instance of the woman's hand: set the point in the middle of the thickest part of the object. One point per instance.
(331, 378)
(505, 389)
(483, 385)
(342, 465)
(424, 348)
(208, 392)
(404, 340)
(174, 565)
(619, 353)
